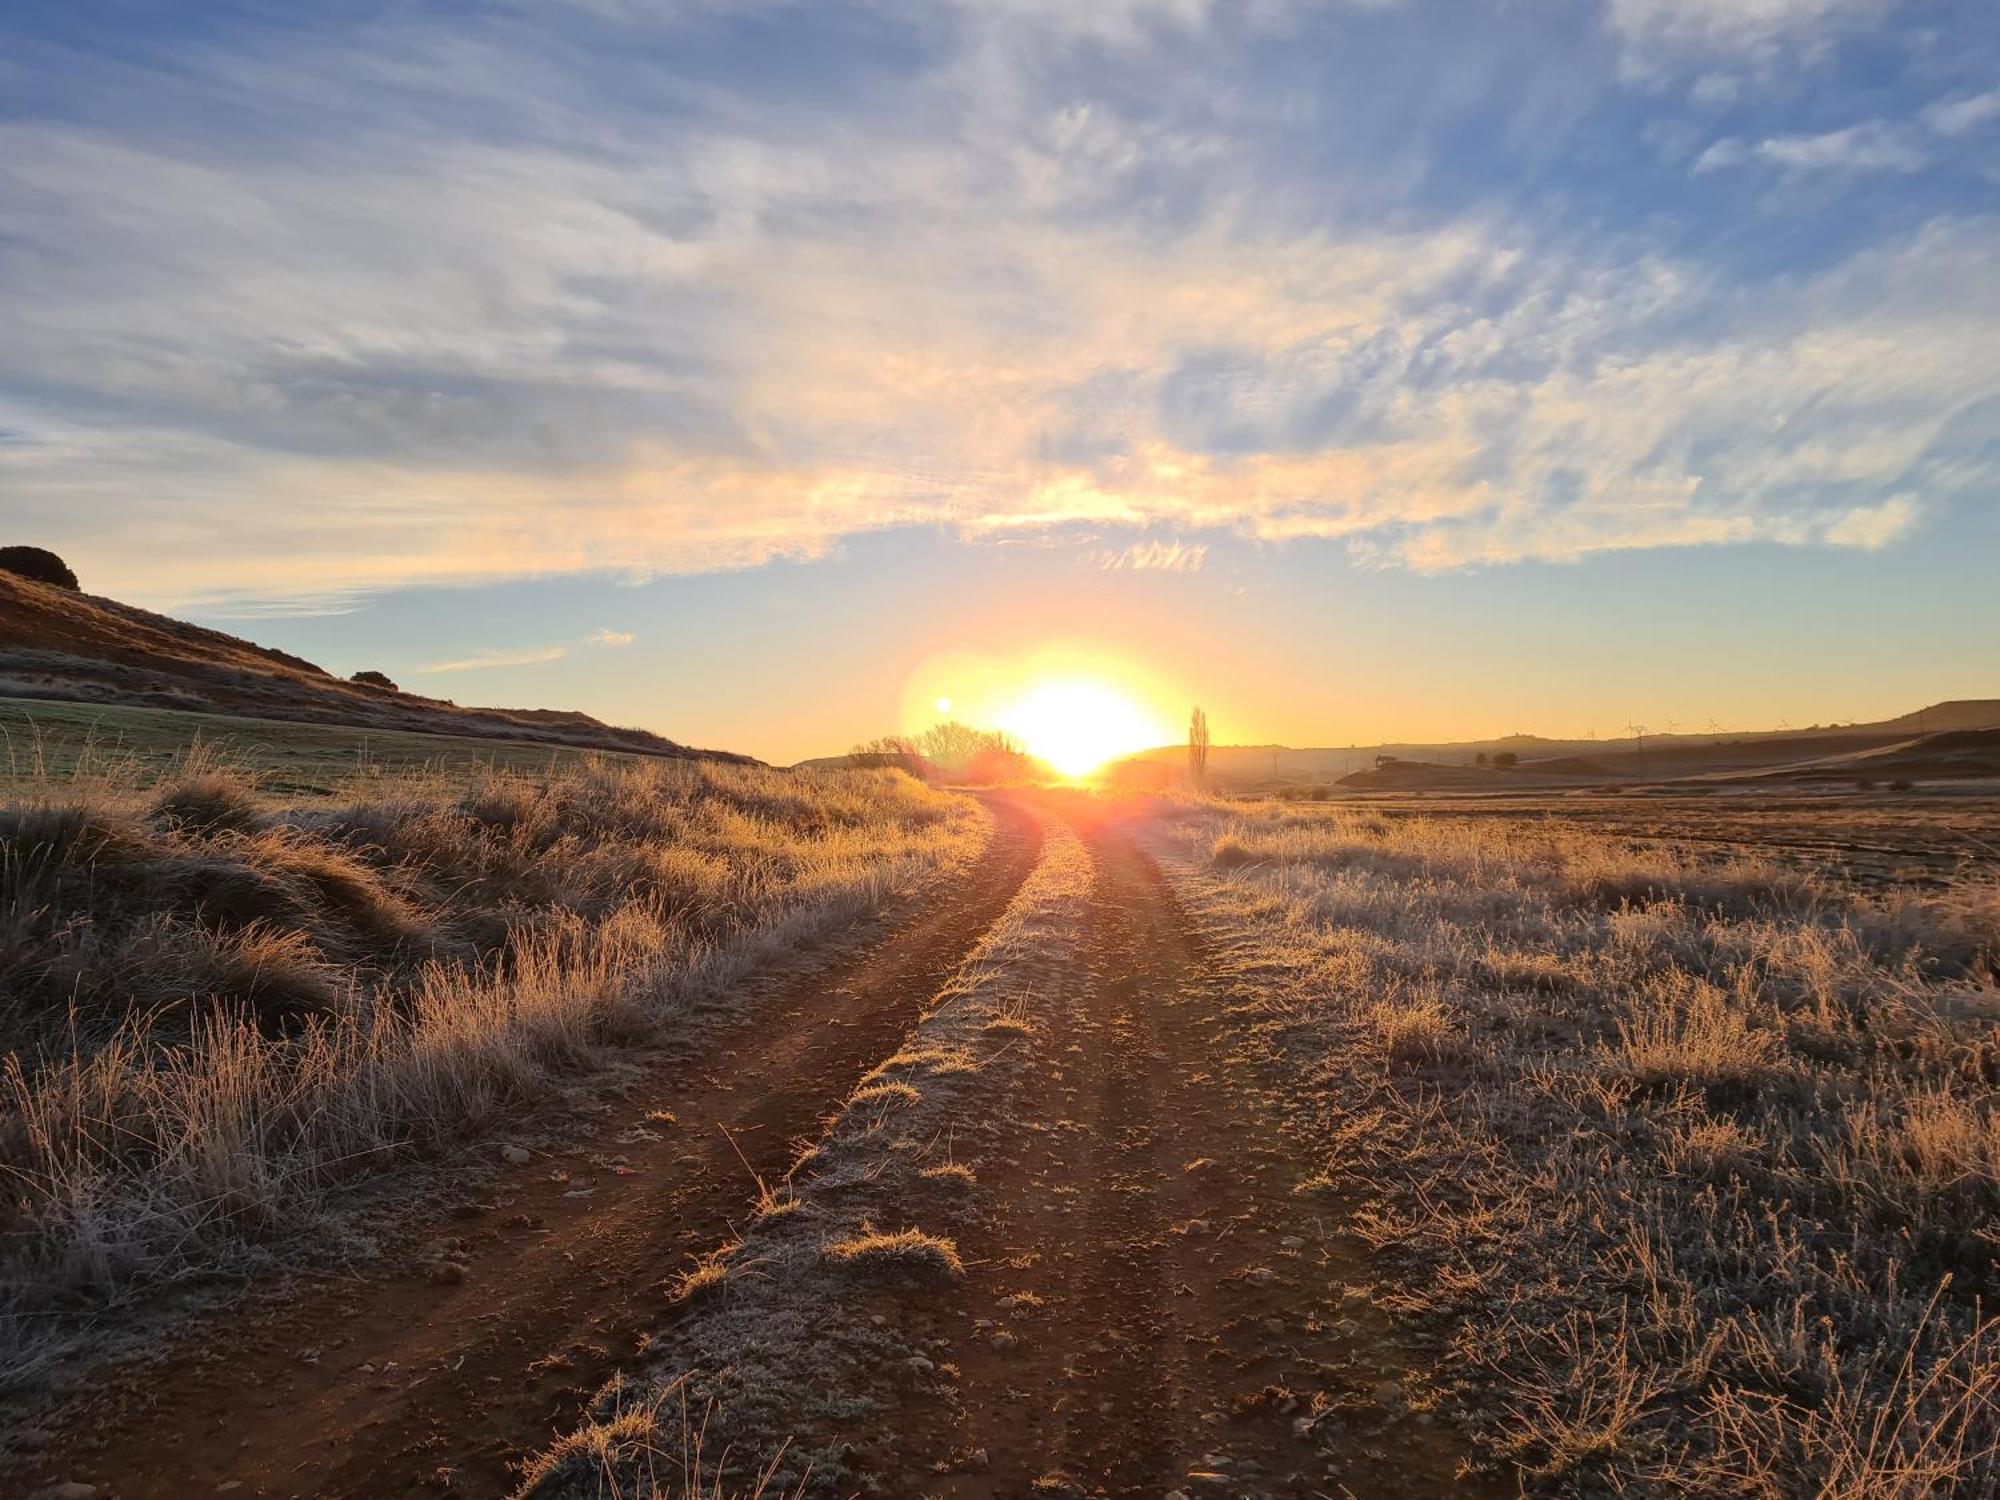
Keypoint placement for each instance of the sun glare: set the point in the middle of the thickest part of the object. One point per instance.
(1071, 705)
(1076, 724)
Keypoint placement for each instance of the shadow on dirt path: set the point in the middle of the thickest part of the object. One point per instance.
(1148, 1307)
(389, 1384)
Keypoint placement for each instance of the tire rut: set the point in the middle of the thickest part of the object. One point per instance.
(390, 1384)
(1148, 1307)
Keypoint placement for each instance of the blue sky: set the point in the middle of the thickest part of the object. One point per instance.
(1367, 367)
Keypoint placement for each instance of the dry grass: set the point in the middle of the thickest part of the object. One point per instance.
(217, 1009)
(644, 1445)
(881, 1097)
(906, 1254)
(1699, 1159)
(953, 1174)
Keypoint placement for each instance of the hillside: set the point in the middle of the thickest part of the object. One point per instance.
(79, 648)
(1549, 762)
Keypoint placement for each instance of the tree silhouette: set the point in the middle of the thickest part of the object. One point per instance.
(950, 751)
(1198, 747)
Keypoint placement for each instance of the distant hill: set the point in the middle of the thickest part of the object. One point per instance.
(1543, 762)
(57, 644)
(1956, 754)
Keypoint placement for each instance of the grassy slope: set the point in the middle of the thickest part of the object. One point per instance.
(59, 645)
(1699, 1160)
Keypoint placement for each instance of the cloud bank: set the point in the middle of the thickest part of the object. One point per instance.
(302, 310)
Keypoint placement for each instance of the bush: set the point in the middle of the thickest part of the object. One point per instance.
(1506, 760)
(39, 564)
(375, 680)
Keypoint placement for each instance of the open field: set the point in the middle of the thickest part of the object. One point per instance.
(1932, 836)
(1693, 1152)
(1390, 1148)
(43, 742)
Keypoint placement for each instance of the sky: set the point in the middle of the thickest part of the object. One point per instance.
(761, 373)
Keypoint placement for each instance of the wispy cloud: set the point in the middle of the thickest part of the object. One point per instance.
(528, 656)
(677, 318)
(486, 660)
(1155, 557)
(1657, 32)
(1869, 147)
(1873, 527)
(1955, 117)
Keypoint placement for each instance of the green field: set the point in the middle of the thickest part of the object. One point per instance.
(48, 742)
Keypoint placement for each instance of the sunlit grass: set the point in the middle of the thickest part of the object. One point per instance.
(1699, 1158)
(219, 1006)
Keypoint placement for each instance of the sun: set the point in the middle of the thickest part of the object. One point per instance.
(1076, 724)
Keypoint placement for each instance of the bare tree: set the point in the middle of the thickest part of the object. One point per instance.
(1198, 748)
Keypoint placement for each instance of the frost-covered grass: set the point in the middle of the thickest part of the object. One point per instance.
(219, 1009)
(1699, 1159)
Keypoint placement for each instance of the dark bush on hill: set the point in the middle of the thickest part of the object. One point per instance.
(375, 680)
(39, 564)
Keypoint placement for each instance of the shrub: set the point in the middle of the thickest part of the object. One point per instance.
(375, 680)
(208, 802)
(1506, 760)
(38, 563)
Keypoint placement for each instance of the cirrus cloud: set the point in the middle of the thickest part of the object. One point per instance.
(983, 268)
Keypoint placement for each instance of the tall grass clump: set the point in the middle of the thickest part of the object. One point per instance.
(217, 1008)
(1696, 1158)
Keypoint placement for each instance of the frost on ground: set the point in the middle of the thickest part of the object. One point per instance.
(1698, 1160)
(784, 1351)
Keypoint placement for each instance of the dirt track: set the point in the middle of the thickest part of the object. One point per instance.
(1148, 1307)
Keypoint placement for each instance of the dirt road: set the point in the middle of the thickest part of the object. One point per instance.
(1148, 1309)
(438, 1382)
(1148, 1306)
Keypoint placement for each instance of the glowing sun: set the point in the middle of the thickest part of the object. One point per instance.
(1076, 724)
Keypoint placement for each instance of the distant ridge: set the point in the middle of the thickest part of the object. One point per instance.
(1459, 765)
(80, 648)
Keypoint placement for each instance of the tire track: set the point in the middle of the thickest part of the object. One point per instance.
(1148, 1309)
